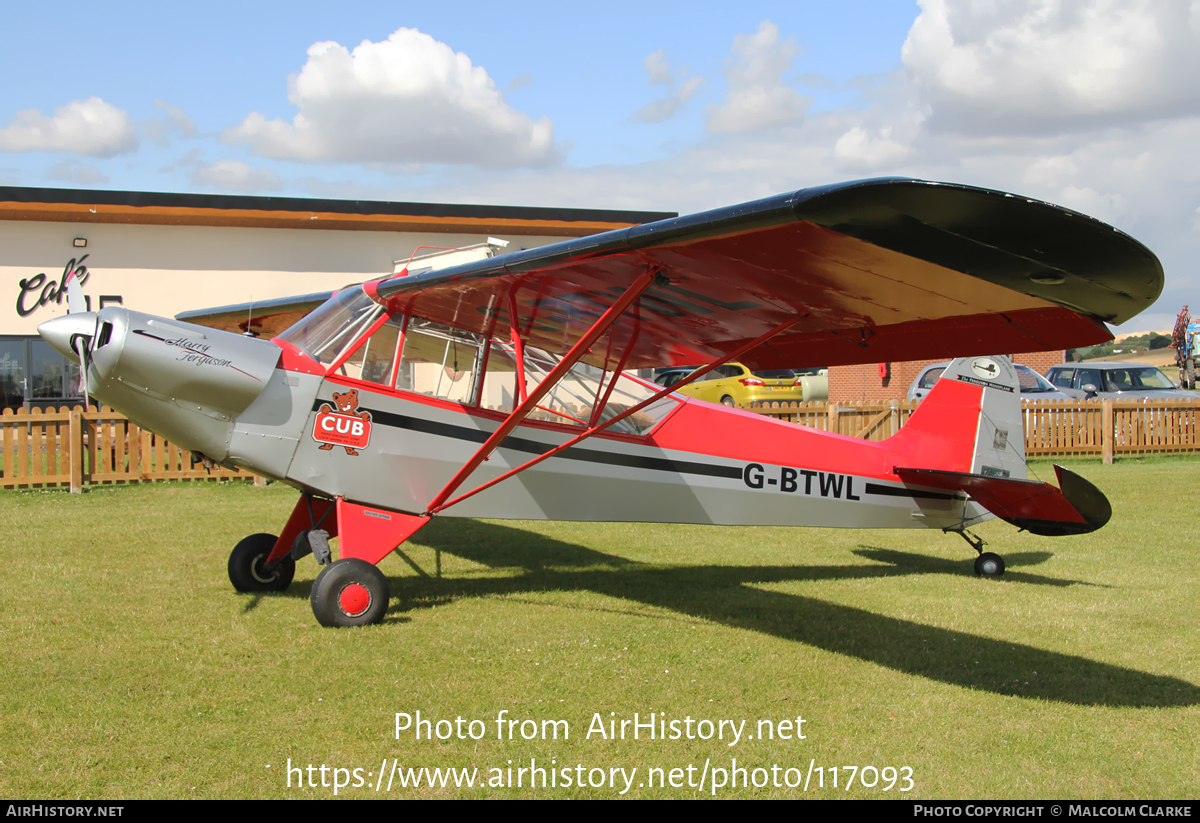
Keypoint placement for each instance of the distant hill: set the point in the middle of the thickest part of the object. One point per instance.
(1151, 341)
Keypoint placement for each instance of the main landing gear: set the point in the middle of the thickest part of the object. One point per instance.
(349, 592)
(987, 564)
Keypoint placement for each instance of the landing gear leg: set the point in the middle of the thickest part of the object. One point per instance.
(987, 564)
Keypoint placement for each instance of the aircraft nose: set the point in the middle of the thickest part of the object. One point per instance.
(59, 331)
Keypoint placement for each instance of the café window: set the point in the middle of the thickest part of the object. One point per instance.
(32, 373)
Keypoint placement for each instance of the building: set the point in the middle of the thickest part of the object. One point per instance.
(167, 253)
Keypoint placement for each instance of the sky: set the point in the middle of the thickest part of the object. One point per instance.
(1089, 104)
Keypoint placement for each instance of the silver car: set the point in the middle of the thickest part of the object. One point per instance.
(1033, 385)
(1121, 380)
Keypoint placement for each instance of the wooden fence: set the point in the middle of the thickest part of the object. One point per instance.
(1053, 428)
(71, 447)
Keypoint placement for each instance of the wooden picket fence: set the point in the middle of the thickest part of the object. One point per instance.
(1053, 428)
(77, 446)
(74, 447)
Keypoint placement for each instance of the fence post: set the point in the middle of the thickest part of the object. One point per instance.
(75, 433)
(831, 420)
(1107, 435)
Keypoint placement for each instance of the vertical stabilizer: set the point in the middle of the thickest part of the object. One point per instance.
(970, 422)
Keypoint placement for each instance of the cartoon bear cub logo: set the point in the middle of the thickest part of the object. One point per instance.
(344, 425)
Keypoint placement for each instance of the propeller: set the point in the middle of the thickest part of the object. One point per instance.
(80, 343)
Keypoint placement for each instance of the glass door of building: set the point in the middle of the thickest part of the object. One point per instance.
(34, 374)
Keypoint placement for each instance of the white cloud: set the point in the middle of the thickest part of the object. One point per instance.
(90, 127)
(1038, 66)
(407, 99)
(863, 149)
(659, 73)
(160, 129)
(657, 70)
(234, 175)
(758, 98)
(73, 171)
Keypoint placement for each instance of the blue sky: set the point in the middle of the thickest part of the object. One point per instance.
(1092, 104)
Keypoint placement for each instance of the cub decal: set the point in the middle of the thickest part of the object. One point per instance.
(344, 426)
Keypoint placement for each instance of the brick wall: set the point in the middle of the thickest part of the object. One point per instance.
(864, 383)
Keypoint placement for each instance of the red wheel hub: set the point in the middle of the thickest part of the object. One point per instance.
(354, 599)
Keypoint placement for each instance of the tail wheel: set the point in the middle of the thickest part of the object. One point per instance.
(989, 565)
(727, 401)
(350, 592)
(247, 566)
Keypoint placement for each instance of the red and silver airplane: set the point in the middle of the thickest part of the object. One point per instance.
(500, 387)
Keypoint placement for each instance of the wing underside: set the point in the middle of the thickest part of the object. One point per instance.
(872, 271)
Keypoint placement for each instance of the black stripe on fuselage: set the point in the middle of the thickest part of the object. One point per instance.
(892, 491)
(438, 429)
(520, 444)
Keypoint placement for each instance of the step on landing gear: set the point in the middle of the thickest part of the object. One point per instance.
(987, 564)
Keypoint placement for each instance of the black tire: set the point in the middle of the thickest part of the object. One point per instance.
(989, 565)
(246, 566)
(349, 592)
(1191, 373)
(727, 401)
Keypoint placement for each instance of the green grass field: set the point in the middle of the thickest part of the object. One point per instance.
(133, 670)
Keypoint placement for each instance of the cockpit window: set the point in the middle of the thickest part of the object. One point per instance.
(332, 327)
(439, 361)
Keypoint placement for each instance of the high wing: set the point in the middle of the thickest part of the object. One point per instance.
(264, 318)
(867, 271)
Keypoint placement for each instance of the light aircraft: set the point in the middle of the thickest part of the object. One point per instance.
(500, 387)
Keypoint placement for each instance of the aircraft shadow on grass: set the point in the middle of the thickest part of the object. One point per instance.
(727, 595)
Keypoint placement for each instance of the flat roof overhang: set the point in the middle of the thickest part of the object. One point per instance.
(160, 208)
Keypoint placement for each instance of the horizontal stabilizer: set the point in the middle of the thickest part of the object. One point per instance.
(1078, 507)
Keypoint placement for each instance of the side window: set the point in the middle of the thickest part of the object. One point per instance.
(1062, 377)
(374, 358)
(571, 400)
(1092, 376)
(439, 361)
(931, 377)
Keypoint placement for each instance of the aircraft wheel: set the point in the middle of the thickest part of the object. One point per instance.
(246, 571)
(727, 401)
(349, 592)
(989, 565)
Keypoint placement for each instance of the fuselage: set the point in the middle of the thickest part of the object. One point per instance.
(392, 431)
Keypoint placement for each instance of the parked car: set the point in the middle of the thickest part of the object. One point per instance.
(669, 377)
(1120, 380)
(733, 385)
(1033, 385)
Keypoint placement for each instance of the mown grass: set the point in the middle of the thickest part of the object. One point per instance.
(132, 669)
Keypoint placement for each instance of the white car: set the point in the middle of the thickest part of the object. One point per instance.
(1033, 385)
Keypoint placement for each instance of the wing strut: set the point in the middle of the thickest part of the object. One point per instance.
(529, 403)
(437, 505)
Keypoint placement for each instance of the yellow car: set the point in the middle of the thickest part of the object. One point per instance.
(735, 385)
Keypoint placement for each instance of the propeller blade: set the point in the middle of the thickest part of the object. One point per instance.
(76, 302)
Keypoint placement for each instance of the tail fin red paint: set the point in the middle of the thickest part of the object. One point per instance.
(970, 422)
(968, 436)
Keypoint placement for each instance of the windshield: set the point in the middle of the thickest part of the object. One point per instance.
(328, 330)
(1031, 381)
